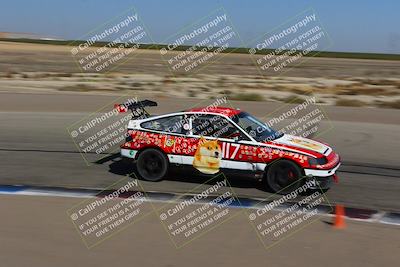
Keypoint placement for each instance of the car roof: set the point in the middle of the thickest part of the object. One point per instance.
(230, 112)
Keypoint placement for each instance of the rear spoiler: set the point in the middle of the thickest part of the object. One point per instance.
(137, 107)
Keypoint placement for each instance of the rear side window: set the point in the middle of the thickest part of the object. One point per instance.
(173, 124)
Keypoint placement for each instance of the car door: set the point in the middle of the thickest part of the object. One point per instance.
(234, 149)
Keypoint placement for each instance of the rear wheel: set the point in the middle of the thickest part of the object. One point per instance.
(283, 176)
(152, 164)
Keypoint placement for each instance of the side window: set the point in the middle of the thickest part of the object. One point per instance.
(214, 126)
(173, 124)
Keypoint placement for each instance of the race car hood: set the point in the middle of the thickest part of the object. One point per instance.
(303, 144)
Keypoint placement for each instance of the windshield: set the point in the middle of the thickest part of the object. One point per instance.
(256, 128)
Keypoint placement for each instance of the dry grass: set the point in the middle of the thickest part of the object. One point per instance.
(293, 99)
(350, 103)
(362, 89)
(389, 104)
(247, 97)
(81, 87)
(394, 83)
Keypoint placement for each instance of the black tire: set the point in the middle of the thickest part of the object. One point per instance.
(152, 165)
(283, 176)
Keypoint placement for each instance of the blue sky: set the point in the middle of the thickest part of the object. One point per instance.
(353, 25)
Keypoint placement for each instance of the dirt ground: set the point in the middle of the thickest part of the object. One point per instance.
(343, 82)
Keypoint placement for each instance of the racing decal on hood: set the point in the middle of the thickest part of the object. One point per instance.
(301, 142)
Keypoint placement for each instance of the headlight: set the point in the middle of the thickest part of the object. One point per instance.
(317, 161)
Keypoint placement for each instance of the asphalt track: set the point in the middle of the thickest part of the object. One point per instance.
(35, 149)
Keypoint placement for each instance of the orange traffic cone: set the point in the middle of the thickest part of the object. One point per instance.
(339, 217)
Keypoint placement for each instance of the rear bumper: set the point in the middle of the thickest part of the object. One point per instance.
(321, 173)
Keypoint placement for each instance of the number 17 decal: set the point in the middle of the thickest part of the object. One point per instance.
(226, 150)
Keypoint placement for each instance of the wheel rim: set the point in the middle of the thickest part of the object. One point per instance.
(284, 175)
(152, 165)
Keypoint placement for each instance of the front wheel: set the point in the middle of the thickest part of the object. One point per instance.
(283, 176)
(152, 164)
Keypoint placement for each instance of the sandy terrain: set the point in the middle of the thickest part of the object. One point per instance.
(345, 82)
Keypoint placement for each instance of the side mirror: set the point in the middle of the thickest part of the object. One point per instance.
(235, 136)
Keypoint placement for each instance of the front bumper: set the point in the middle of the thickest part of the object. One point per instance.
(323, 178)
(321, 173)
